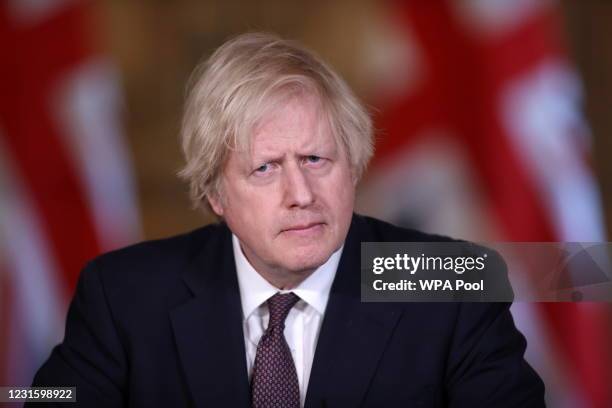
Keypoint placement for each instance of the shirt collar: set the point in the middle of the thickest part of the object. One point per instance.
(255, 290)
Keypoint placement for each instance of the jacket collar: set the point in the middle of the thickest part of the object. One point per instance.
(353, 334)
(208, 326)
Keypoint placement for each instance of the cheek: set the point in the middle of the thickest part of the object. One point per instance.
(250, 212)
(343, 191)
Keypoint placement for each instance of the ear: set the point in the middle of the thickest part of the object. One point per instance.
(215, 203)
(354, 177)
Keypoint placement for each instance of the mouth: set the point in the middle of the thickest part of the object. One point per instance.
(304, 229)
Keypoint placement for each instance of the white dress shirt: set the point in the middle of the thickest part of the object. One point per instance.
(304, 320)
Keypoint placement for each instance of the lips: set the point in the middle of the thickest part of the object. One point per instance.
(302, 227)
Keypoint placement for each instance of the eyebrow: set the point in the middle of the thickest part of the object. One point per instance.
(322, 149)
(276, 159)
(266, 159)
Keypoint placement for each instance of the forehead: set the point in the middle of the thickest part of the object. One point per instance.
(297, 122)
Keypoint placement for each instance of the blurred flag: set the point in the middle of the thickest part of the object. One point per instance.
(66, 190)
(482, 138)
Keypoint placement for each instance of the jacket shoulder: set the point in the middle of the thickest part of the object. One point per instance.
(380, 231)
(160, 259)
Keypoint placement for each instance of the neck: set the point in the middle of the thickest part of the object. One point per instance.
(284, 280)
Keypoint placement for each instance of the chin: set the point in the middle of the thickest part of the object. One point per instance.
(304, 259)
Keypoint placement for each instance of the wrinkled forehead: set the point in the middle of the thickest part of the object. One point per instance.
(280, 108)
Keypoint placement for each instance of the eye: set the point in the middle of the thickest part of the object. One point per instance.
(315, 162)
(263, 168)
(313, 159)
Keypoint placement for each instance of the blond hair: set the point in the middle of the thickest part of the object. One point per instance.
(243, 80)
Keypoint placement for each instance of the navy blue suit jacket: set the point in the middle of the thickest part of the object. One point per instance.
(160, 324)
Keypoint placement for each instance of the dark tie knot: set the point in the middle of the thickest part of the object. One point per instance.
(279, 306)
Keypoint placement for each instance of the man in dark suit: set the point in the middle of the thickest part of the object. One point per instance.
(263, 309)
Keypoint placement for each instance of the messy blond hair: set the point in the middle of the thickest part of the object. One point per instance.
(239, 84)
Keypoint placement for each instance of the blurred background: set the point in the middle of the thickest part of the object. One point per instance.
(492, 119)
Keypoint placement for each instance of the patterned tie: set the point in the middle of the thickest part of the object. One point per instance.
(275, 383)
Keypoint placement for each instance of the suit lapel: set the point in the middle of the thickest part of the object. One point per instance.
(353, 334)
(208, 329)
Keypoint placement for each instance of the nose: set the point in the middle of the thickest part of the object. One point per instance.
(297, 186)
